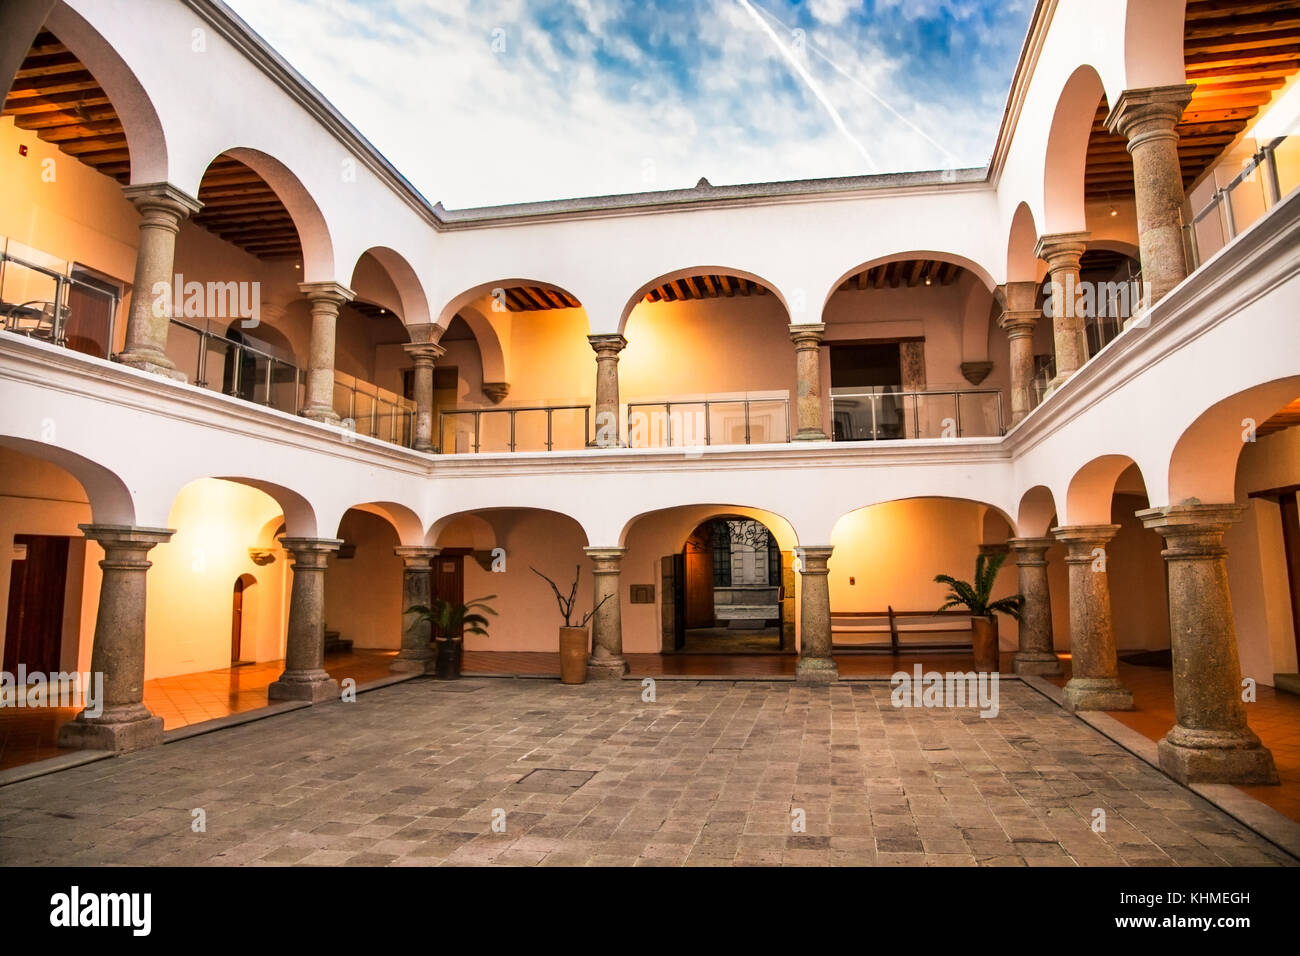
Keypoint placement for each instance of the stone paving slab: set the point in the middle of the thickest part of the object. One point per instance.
(710, 774)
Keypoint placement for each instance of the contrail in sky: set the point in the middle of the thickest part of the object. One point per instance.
(812, 84)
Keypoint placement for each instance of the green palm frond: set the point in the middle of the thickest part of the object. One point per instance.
(975, 596)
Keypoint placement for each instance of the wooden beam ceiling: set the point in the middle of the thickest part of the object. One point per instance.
(532, 298)
(905, 272)
(1238, 55)
(55, 96)
(704, 286)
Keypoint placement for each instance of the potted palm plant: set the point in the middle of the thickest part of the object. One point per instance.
(573, 637)
(450, 624)
(975, 598)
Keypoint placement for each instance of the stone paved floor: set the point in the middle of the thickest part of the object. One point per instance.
(707, 775)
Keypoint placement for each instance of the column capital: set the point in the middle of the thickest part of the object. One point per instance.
(310, 553)
(1030, 551)
(1019, 324)
(1148, 113)
(1192, 529)
(332, 293)
(807, 335)
(1081, 539)
(607, 343)
(425, 333)
(1062, 250)
(416, 556)
(126, 536)
(424, 352)
(162, 198)
(605, 559)
(813, 558)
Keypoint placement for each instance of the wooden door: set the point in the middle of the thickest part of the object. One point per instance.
(237, 621)
(449, 580)
(697, 580)
(34, 627)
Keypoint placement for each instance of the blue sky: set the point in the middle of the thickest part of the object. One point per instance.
(499, 101)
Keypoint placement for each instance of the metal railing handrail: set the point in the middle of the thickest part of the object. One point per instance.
(62, 281)
(512, 410)
(201, 370)
(747, 401)
(1263, 159)
(954, 393)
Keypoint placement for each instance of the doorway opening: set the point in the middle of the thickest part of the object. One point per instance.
(37, 581)
(240, 616)
(866, 382)
(728, 589)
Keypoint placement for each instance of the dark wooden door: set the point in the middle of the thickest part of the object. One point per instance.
(449, 579)
(237, 621)
(34, 627)
(697, 580)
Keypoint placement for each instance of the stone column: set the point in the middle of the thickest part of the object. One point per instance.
(326, 299)
(304, 676)
(163, 208)
(1036, 654)
(123, 721)
(424, 355)
(1094, 682)
(809, 403)
(815, 662)
(1147, 119)
(1210, 741)
(416, 654)
(1019, 319)
(605, 425)
(607, 661)
(1062, 252)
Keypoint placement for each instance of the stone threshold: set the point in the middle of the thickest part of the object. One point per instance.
(1258, 817)
(76, 758)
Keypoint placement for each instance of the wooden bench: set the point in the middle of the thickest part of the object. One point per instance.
(892, 622)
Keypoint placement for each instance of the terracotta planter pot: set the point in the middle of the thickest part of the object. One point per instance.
(446, 665)
(984, 638)
(573, 655)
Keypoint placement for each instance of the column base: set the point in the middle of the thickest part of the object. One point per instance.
(810, 434)
(132, 728)
(153, 363)
(1036, 664)
(1097, 693)
(315, 686)
(816, 670)
(326, 416)
(411, 665)
(606, 668)
(1201, 756)
(426, 447)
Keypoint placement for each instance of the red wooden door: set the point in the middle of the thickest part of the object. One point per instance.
(34, 626)
(697, 580)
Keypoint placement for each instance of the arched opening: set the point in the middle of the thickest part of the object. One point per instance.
(883, 596)
(240, 324)
(363, 594)
(494, 551)
(709, 361)
(729, 594)
(912, 350)
(82, 125)
(487, 402)
(243, 614)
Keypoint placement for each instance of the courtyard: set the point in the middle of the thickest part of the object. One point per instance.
(517, 771)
